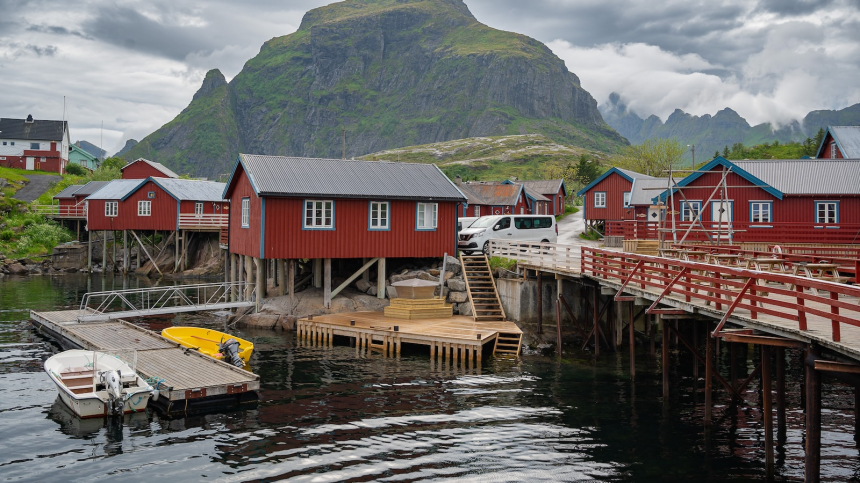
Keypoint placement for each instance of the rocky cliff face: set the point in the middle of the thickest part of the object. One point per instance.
(390, 73)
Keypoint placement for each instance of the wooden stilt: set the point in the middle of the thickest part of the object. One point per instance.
(767, 410)
(812, 473)
(261, 281)
(291, 283)
(709, 369)
(856, 413)
(90, 251)
(380, 279)
(327, 283)
(104, 251)
(596, 314)
(249, 272)
(696, 350)
(653, 335)
(125, 252)
(539, 303)
(317, 272)
(665, 349)
(113, 236)
(631, 335)
(282, 277)
(780, 396)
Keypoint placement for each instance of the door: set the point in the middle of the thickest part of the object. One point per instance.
(503, 229)
(721, 218)
(30, 163)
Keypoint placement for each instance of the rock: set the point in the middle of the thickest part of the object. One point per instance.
(433, 271)
(406, 275)
(444, 292)
(263, 321)
(457, 285)
(288, 322)
(427, 276)
(465, 308)
(71, 270)
(362, 285)
(17, 269)
(391, 291)
(453, 265)
(457, 297)
(372, 290)
(449, 275)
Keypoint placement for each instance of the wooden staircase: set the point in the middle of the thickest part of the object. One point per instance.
(486, 305)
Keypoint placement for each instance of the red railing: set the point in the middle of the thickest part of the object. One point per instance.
(786, 300)
(819, 233)
(217, 221)
(62, 211)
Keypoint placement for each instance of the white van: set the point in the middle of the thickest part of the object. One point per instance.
(464, 222)
(536, 228)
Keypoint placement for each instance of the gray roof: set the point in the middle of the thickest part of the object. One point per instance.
(543, 186)
(807, 176)
(91, 188)
(158, 166)
(192, 189)
(336, 178)
(491, 193)
(536, 194)
(69, 192)
(643, 191)
(37, 130)
(116, 189)
(634, 174)
(848, 138)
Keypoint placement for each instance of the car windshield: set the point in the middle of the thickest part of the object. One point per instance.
(484, 222)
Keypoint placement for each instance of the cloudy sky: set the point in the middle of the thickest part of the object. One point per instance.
(134, 65)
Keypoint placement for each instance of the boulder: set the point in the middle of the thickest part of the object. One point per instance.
(453, 265)
(428, 277)
(464, 308)
(407, 275)
(362, 285)
(288, 322)
(449, 275)
(433, 271)
(457, 297)
(372, 290)
(17, 269)
(391, 291)
(457, 285)
(444, 292)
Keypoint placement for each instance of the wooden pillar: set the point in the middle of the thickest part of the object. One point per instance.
(327, 284)
(282, 277)
(557, 317)
(665, 348)
(104, 251)
(780, 395)
(176, 243)
(317, 272)
(649, 322)
(539, 303)
(249, 272)
(813, 420)
(90, 251)
(113, 236)
(856, 413)
(767, 410)
(126, 251)
(596, 314)
(234, 273)
(632, 340)
(695, 342)
(261, 281)
(291, 282)
(380, 278)
(709, 369)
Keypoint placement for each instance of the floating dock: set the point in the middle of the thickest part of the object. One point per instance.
(191, 381)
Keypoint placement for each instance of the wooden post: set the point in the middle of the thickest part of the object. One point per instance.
(249, 276)
(709, 377)
(261, 281)
(813, 420)
(282, 276)
(558, 326)
(632, 340)
(113, 236)
(380, 279)
(317, 270)
(649, 321)
(665, 348)
(539, 303)
(856, 413)
(767, 410)
(291, 282)
(780, 395)
(695, 342)
(234, 273)
(327, 284)
(596, 314)
(104, 251)
(126, 251)
(176, 243)
(90, 251)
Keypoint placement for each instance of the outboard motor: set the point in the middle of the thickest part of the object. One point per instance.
(230, 349)
(113, 384)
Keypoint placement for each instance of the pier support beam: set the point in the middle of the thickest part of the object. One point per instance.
(327, 283)
(90, 252)
(282, 276)
(291, 283)
(709, 369)
(126, 252)
(380, 278)
(632, 339)
(812, 473)
(249, 272)
(665, 349)
(317, 272)
(104, 251)
(780, 395)
(767, 410)
(234, 274)
(540, 303)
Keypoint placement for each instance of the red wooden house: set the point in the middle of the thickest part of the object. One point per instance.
(493, 198)
(144, 168)
(607, 198)
(67, 206)
(553, 189)
(840, 142)
(287, 208)
(34, 144)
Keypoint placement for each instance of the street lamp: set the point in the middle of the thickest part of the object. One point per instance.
(693, 150)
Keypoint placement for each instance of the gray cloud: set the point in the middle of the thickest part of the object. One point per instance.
(57, 30)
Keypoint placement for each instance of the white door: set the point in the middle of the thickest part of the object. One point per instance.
(721, 217)
(503, 229)
(30, 163)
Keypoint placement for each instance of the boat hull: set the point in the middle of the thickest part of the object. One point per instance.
(207, 341)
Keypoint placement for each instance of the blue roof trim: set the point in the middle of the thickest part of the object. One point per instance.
(835, 139)
(720, 161)
(239, 162)
(135, 189)
(601, 178)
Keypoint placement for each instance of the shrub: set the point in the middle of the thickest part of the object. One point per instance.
(42, 237)
(6, 235)
(75, 169)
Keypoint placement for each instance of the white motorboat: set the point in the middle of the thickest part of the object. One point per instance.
(97, 384)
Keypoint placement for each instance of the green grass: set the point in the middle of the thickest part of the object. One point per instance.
(31, 235)
(568, 210)
(506, 263)
(590, 235)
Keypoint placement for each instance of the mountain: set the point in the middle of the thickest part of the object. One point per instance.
(390, 73)
(128, 145)
(91, 149)
(725, 128)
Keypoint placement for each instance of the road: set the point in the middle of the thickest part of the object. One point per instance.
(569, 229)
(39, 183)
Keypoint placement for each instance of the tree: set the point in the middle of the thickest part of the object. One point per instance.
(75, 169)
(716, 154)
(653, 157)
(726, 152)
(113, 162)
(577, 175)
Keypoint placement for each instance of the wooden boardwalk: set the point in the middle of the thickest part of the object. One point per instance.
(455, 339)
(191, 380)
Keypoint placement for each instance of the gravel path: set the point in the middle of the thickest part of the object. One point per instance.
(39, 183)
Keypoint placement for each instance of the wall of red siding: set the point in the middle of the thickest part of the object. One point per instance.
(614, 185)
(285, 237)
(246, 241)
(163, 215)
(141, 170)
(187, 206)
(825, 152)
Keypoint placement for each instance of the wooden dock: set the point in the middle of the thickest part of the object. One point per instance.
(457, 339)
(191, 381)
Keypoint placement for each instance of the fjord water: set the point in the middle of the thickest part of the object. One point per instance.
(327, 415)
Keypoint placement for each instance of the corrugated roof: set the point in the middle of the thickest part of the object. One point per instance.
(543, 186)
(116, 189)
(634, 174)
(91, 188)
(848, 139)
(68, 192)
(192, 189)
(336, 178)
(643, 192)
(807, 176)
(535, 194)
(37, 130)
(492, 193)
(160, 167)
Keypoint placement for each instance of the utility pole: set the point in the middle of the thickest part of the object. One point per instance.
(343, 133)
(693, 150)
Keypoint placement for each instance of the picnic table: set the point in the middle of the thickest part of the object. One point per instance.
(693, 255)
(724, 259)
(767, 265)
(670, 252)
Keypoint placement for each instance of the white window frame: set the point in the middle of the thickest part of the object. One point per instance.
(111, 208)
(246, 212)
(761, 207)
(600, 199)
(318, 215)
(144, 208)
(198, 209)
(423, 222)
(832, 150)
(379, 217)
(688, 214)
(834, 204)
(626, 199)
(478, 210)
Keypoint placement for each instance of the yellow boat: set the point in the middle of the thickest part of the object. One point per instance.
(213, 343)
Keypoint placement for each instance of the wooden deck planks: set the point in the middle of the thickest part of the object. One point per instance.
(116, 336)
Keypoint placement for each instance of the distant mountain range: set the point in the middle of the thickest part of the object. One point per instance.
(387, 73)
(725, 128)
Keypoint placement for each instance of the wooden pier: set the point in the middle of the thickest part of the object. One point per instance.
(191, 381)
(455, 340)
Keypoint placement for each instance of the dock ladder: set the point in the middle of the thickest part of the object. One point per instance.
(486, 305)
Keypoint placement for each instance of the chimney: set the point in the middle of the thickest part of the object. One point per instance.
(29, 119)
(458, 180)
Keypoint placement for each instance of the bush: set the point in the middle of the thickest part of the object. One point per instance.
(6, 235)
(41, 237)
(506, 263)
(75, 169)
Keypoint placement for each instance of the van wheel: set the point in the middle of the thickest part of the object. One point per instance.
(544, 241)
(486, 249)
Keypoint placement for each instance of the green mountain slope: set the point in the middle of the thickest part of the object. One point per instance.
(390, 73)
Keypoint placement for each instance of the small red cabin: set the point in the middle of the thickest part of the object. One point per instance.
(144, 168)
(67, 206)
(608, 197)
(840, 142)
(552, 189)
(493, 198)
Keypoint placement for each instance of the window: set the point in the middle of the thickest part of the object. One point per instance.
(12, 143)
(426, 219)
(246, 212)
(600, 199)
(198, 208)
(827, 212)
(379, 215)
(4, 143)
(760, 211)
(478, 210)
(111, 208)
(690, 210)
(144, 208)
(503, 224)
(34, 146)
(42, 160)
(2, 158)
(833, 150)
(319, 214)
(627, 199)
